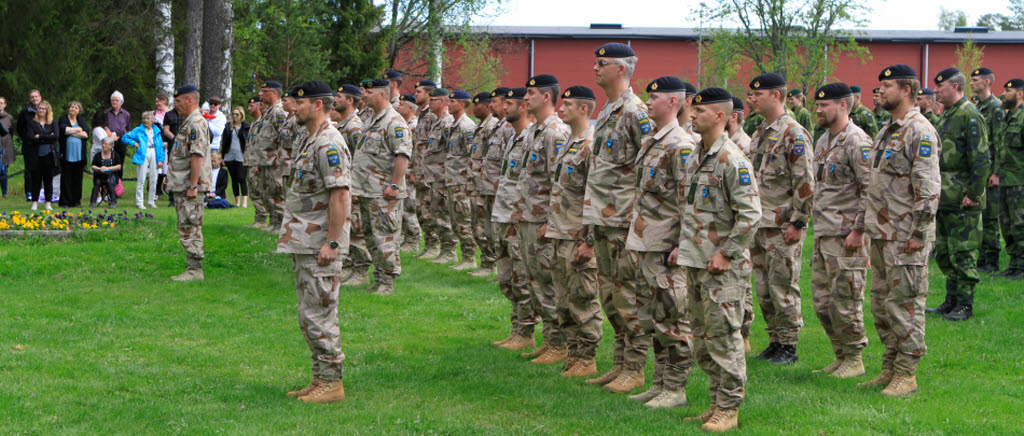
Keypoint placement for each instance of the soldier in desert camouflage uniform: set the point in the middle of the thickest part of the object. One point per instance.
(721, 210)
(425, 121)
(735, 128)
(458, 178)
(902, 198)
(434, 157)
(483, 190)
(839, 261)
(250, 158)
(291, 134)
(314, 233)
(351, 127)
(188, 174)
(411, 230)
(264, 136)
(653, 233)
(782, 165)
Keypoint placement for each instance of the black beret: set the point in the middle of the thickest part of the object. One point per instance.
(1015, 84)
(460, 95)
(875, 90)
(898, 71)
(272, 84)
(255, 99)
(516, 93)
(855, 89)
(615, 50)
(376, 83)
(795, 92)
(351, 90)
(925, 91)
(482, 97)
(768, 81)
(438, 92)
(579, 92)
(500, 91)
(666, 84)
(312, 88)
(393, 75)
(185, 89)
(833, 91)
(944, 75)
(690, 89)
(737, 104)
(982, 72)
(712, 95)
(542, 80)
(429, 83)
(407, 97)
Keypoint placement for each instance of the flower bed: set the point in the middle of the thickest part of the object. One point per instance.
(64, 221)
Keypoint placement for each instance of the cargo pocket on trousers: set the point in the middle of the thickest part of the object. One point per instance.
(726, 315)
(387, 221)
(328, 278)
(854, 267)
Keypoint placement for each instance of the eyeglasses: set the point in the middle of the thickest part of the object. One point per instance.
(602, 63)
(236, 114)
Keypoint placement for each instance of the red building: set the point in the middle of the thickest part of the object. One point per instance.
(568, 53)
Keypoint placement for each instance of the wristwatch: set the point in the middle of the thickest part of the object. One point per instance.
(799, 225)
(590, 241)
(193, 187)
(334, 244)
(395, 187)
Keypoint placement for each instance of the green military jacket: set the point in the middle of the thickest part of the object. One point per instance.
(964, 162)
(932, 118)
(1010, 162)
(991, 109)
(803, 116)
(750, 124)
(881, 116)
(864, 119)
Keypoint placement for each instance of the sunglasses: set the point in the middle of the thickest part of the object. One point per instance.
(602, 63)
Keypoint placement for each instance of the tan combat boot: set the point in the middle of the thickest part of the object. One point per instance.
(552, 356)
(582, 368)
(569, 363)
(746, 345)
(429, 252)
(626, 382)
(484, 271)
(446, 256)
(304, 391)
(647, 395)
(409, 247)
(536, 353)
(853, 366)
(384, 289)
(500, 342)
(831, 368)
(467, 264)
(668, 399)
(723, 420)
(189, 275)
(357, 278)
(901, 386)
(612, 374)
(883, 379)
(703, 417)
(325, 392)
(519, 342)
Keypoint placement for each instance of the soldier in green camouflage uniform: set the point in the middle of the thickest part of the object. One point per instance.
(482, 184)
(611, 190)
(965, 167)
(188, 174)
(378, 168)
(899, 217)
(434, 157)
(797, 106)
(721, 211)
(425, 121)
(1009, 176)
(653, 233)
(754, 119)
(840, 259)
(782, 165)
(926, 103)
(458, 178)
(512, 276)
(351, 127)
(880, 114)
(264, 136)
(989, 106)
(577, 297)
(861, 115)
(315, 233)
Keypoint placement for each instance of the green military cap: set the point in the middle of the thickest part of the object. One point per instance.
(438, 92)
(855, 89)
(795, 93)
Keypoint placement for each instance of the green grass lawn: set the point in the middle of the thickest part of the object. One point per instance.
(111, 346)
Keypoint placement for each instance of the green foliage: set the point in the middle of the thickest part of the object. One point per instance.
(969, 57)
(480, 69)
(951, 19)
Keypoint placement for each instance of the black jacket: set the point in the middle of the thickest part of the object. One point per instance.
(25, 118)
(221, 184)
(47, 135)
(225, 138)
(64, 123)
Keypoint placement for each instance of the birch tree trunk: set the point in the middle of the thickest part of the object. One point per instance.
(164, 50)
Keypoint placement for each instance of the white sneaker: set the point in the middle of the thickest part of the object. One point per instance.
(35, 205)
(48, 207)
(140, 206)
(151, 205)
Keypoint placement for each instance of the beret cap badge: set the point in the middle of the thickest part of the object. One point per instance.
(567, 93)
(602, 52)
(533, 82)
(757, 84)
(699, 98)
(888, 73)
(821, 94)
(654, 86)
(301, 92)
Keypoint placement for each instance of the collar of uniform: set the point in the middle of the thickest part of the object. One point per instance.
(777, 124)
(719, 143)
(586, 134)
(277, 105)
(438, 120)
(378, 116)
(739, 134)
(349, 118)
(668, 128)
(548, 121)
(956, 106)
(906, 118)
(830, 145)
(617, 104)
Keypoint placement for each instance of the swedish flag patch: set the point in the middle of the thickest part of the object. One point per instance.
(399, 132)
(558, 146)
(333, 157)
(744, 176)
(799, 144)
(773, 140)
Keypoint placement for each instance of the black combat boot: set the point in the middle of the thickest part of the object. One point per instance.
(768, 352)
(785, 355)
(947, 305)
(988, 265)
(961, 312)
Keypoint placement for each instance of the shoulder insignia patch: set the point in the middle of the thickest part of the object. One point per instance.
(744, 175)
(192, 133)
(399, 132)
(645, 123)
(280, 118)
(684, 154)
(558, 145)
(865, 150)
(798, 148)
(333, 157)
(925, 148)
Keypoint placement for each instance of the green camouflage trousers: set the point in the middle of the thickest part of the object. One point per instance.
(316, 289)
(358, 257)
(460, 215)
(512, 280)
(957, 237)
(664, 315)
(838, 279)
(776, 271)
(410, 223)
(1012, 223)
(899, 287)
(441, 215)
(616, 277)
(483, 229)
(990, 242)
(428, 226)
(190, 228)
(270, 183)
(537, 256)
(577, 300)
(382, 231)
(716, 313)
(256, 196)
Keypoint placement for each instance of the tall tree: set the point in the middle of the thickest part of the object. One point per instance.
(218, 31)
(164, 49)
(356, 45)
(969, 57)
(193, 56)
(951, 19)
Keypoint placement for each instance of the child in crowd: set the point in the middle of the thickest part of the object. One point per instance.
(215, 197)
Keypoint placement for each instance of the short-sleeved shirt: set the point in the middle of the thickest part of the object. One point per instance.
(193, 139)
(654, 224)
(458, 157)
(782, 164)
(841, 177)
(565, 221)
(265, 133)
(544, 142)
(903, 190)
(618, 136)
(490, 170)
(382, 141)
(321, 164)
(507, 192)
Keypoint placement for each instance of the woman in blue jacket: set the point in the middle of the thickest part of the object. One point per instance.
(147, 158)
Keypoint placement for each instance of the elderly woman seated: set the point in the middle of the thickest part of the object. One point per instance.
(104, 174)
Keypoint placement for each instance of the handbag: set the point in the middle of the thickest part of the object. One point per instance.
(119, 189)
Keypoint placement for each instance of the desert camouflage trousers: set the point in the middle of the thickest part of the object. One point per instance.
(441, 215)
(577, 300)
(484, 229)
(259, 203)
(838, 280)
(190, 228)
(358, 256)
(899, 287)
(428, 226)
(460, 216)
(410, 222)
(512, 280)
(382, 231)
(316, 289)
(716, 313)
(537, 256)
(271, 185)
(616, 277)
(776, 271)
(664, 315)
